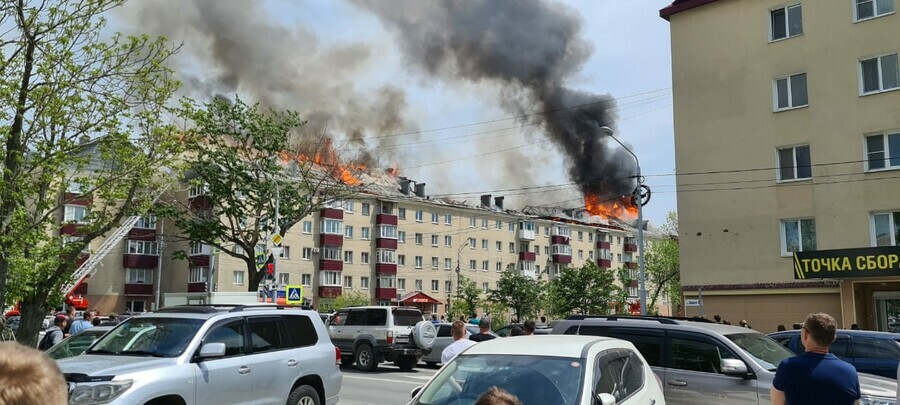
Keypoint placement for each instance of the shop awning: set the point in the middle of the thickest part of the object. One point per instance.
(417, 297)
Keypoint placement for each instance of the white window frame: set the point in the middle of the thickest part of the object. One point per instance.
(401, 284)
(790, 92)
(285, 253)
(401, 260)
(332, 253)
(419, 262)
(142, 247)
(796, 168)
(306, 279)
(364, 257)
(387, 231)
(138, 276)
(881, 88)
(784, 251)
(787, 22)
(401, 213)
(365, 233)
(564, 250)
(348, 256)
(472, 222)
(386, 256)
(348, 232)
(366, 208)
(435, 262)
(198, 274)
(875, 14)
(448, 240)
(364, 282)
(307, 253)
(348, 282)
(448, 263)
(435, 286)
(448, 219)
(420, 238)
(237, 277)
(284, 278)
(332, 227)
(70, 214)
(473, 264)
(892, 231)
(886, 149)
(146, 222)
(329, 278)
(385, 281)
(418, 285)
(419, 215)
(401, 236)
(435, 239)
(435, 217)
(485, 265)
(307, 227)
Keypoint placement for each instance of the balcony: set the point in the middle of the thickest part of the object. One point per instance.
(385, 293)
(385, 243)
(526, 234)
(77, 199)
(200, 203)
(332, 213)
(331, 239)
(631, 265)
(603, 245)
(385, 268)
(559, 240)
(333, 265)
(330, 291)
(199, 260)
(71, 229)
(561, 258)
(143, 261)
(527, 256)
(385, 219)
(142, 234)
(629, 247)
(528, 273)
(138, 289)
(604, 263)
(196, 287)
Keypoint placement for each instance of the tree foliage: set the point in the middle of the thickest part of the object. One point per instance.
(584, 290)
(243, 158)
(625, 278)
(522, 294)
(347, 299)
(468, 297)
(662, 265)
(77, 111)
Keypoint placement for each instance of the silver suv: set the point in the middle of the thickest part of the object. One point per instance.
(707, 363)
(210, 354)
(371, 335)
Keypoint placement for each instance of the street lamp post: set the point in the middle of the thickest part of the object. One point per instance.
(607, 131)
(458, 276)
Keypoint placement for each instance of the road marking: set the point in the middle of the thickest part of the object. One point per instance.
(380, 379)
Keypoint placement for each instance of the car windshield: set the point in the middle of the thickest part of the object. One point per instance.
(405, 317)
(767, 352)
(75, 345)
(156, 337)
(536, 380)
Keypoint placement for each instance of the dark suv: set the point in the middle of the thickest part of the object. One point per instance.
(870, 352)
(703, 363)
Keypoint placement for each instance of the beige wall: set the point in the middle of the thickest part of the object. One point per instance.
(723, 68)
(764, 311)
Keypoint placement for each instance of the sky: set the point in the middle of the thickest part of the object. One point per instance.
(457, 136)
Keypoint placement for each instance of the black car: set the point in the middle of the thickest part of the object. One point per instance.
(870, 352)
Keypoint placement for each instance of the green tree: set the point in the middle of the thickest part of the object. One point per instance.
(521, 293)
(347, 299)
(585, 290)
(244, 161)
(662, 265)
(78, 111)
(625, 278)
(468, 298)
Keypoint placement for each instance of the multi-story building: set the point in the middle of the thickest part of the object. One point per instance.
(787, 142)
(393, 242)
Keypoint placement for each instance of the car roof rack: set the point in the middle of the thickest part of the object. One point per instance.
(211, 308)
(669, 320)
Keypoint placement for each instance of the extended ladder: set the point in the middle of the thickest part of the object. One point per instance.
(89, 267)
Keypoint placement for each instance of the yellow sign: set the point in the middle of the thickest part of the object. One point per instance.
(276, 239)
(293, 294)
(847, 263)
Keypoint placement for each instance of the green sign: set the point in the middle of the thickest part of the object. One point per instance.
(847, 263)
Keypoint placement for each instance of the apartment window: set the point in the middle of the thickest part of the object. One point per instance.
(366, 208)
(385, 282)
(512, 227)
(447, 286)
(484, 223)
(401, 236)
(419, 261)
(590, 237)
(435, 285)
(401, 213)
(484, 244)
(144, 276)
(472, 264)
(348, 206)
(386, 256)
(791, 92)
(886, 228)
(76, 213)
(434, 262)
(418, 215)
(401, 260)
(472, 243)
(418, 285)
(307, 226)
(498, 266)
(619, 257)
(591, 254)
(565, 250)
(330, 278)
(364, 283)
(580, 254)
(364, 233)
(448, 263)
(798, 235)
(237, 278)
(67, 239)
(307, 253)
(499, 246)
(448, 219)
(197, 190)
(472, 222)
(364, 257)
(142, 247)
(434, 240)
(198, 274)
(348, 232)
(419, 238)
(498, 225)
(485, 286)
(786, 22)
(448, 240)
(306, 279)
(331, 226)
(866, 9)
(547, 250)
(387, 231)
(879, 74)
(284, 278)
(512, 247)
(485, 265)
(882, 151)
(348, 281)
(331, 253)
(434, 217)
(285, 253)
(537, 250)
(794, 163)
(348, 256)
(546, 231)
(146, 222)
(401, 284)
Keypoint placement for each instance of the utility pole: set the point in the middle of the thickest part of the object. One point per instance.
(159, 260)
(276, 248)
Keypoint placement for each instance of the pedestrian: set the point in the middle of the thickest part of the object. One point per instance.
(443, 319)
(745, 324)
(29, 377)
(460, 343)
(544, 319)
(70, 316)
(484, 329)
(717, 318)
(498, 396)
(816, 376)
(54, 334)
(6, 333)
(434, 319)
(797, 326)
(854, 326)
(781, 328)
(516, 331)
(85, 323)
(112, 321)
(528, 328)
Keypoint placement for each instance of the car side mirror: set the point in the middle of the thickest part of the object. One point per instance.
(415, 391)
(211, 350)
(605, 399)
(734, 367)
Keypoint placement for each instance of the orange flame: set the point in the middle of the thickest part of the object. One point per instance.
(327, 158)
(620, 208)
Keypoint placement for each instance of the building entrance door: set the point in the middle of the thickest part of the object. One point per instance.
(887, 311)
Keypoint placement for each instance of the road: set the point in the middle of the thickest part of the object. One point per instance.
(385, 386)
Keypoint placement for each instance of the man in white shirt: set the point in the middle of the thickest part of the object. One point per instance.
(460, 343)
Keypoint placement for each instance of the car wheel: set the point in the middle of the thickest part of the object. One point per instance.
(347, 361)
(365, 358)
(303, 395)
(431, 364)
(406, 363)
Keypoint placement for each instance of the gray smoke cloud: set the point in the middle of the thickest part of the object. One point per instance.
(529, 48)
(237, 47)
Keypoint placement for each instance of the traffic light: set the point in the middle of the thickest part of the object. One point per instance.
(270, 268)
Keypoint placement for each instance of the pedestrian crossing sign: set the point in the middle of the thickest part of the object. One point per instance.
(294, 294)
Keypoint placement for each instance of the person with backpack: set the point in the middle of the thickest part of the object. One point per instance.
(54, 334)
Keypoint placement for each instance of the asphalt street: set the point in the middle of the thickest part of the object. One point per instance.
(385, 386)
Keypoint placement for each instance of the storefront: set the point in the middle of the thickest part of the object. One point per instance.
(418, 299)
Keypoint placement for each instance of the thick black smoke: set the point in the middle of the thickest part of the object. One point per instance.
(529, 48)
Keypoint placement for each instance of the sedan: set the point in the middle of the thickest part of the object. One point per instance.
(443, 340)
(541, 370)
(77, 344)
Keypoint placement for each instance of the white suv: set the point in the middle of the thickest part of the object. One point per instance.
(209, 354)
(370, 335)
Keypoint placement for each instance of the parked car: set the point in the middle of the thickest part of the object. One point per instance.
(870, 352)
(539, 329)
(541, 370)
(371, 335)
(206, 354)
(444, 339)
(77, 344)
(704, 363)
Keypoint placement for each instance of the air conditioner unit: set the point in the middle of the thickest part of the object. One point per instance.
(315, 250)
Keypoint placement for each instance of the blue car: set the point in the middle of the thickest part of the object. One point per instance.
(870, 352)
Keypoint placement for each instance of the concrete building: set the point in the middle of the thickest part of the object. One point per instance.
(787, 142)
